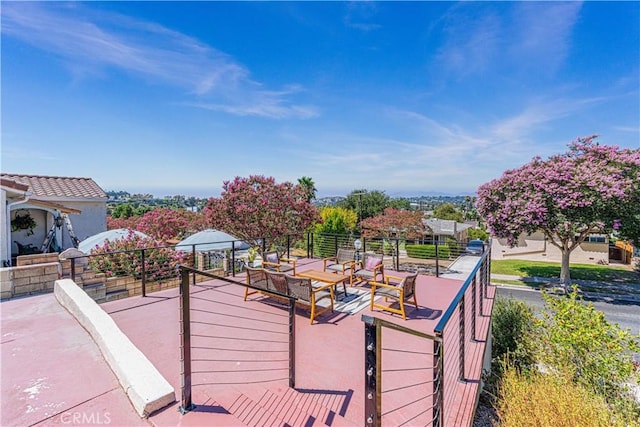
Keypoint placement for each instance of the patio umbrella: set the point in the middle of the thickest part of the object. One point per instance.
(99, 239)
(210, 240)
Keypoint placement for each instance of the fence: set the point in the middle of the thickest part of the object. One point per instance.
(156, 267)
(224, 333)
(436, 363)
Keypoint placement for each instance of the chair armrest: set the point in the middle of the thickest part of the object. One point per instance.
(330, 258)
(272, 264)
(288, 260)
(393, 277)
(383, 285)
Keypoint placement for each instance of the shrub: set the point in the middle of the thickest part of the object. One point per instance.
(513, 333)
(124, 257)
(535, 399)
(595, 353)
(427, 251)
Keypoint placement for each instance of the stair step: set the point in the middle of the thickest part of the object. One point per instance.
(247, 410)
(297, 408)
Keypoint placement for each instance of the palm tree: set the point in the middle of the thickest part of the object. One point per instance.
(309, 187)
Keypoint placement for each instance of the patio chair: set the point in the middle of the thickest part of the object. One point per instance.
(272, 261)
(368, 268)
(397, 289)
(255, 277)
(341, 263)
(308, 294)
(276, 282)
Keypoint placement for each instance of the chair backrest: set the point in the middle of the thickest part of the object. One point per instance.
(344, 255)
(256, 277)
(276, 282)
(271, 257)
(369, 260)
(299, 287)
(409, 284)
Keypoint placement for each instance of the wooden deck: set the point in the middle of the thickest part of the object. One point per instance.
(240, 365)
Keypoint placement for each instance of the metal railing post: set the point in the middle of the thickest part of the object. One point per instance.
(144, 275)
(437, 260)
(185, 335)
(438, 384)
(397, 254)
(233, 258)
(292, 343)
(335, 244)
(288, 246)
(193, 252)
(372, 368)
(473, 308)
(461, 354)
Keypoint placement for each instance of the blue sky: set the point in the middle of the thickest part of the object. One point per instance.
(409, 98)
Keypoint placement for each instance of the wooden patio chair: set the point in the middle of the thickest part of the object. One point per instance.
(397, 289)
(272, 261)
(302, 288)
(255, 277)
(343, 262)
(368, 268)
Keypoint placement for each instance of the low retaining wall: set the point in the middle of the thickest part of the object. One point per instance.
(146, 388)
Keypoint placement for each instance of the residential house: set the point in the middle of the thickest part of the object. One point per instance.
(43, 199)
(444, 229)
(535, 247)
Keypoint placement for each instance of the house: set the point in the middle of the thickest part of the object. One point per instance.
(444, 229)
(32, 203)
(535, 247)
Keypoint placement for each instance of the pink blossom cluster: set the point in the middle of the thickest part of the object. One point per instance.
(580, 192)
(124, 257)
(255, 207)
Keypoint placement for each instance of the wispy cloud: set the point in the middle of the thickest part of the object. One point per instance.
(541, 33)
(359, 15)
(539, 112)
(88, 39)
(478, 39)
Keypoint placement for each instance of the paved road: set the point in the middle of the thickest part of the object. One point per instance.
(625, 314)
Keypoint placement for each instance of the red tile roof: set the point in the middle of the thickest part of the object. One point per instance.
(59, 186)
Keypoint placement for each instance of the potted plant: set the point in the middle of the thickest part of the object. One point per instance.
(23, 222)
(252, 254)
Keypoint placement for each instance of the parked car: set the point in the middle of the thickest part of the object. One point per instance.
(475, 247)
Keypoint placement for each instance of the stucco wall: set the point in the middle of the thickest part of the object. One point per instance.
(537, 250)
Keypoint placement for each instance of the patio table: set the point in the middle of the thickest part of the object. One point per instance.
(332, 279)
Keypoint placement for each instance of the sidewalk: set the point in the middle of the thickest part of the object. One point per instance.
(628, 292)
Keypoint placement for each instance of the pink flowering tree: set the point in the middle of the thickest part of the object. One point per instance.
(394, 222)
(590, 189)
(124, 257)
(257, 207)
(165, 224)
(115, 223)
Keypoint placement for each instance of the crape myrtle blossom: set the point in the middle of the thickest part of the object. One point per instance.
(257, 207)
(589, 189)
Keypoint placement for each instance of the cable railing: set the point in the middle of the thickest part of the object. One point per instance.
(420, 382)
(150, 269)
(221, 335)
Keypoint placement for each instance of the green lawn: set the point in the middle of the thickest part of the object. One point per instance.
(602, 273)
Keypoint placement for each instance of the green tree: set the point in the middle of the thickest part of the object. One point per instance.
(336, 220)
(448, 211)
(309, 187)
(400, 203)
(477, 233)
(366, 203)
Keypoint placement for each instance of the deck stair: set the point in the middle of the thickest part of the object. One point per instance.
(257, 406)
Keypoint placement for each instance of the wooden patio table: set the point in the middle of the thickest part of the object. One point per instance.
(332, 279)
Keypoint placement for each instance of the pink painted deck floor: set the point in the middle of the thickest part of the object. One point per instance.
(235, 381)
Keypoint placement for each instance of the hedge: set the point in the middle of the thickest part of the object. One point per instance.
(427, 251)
